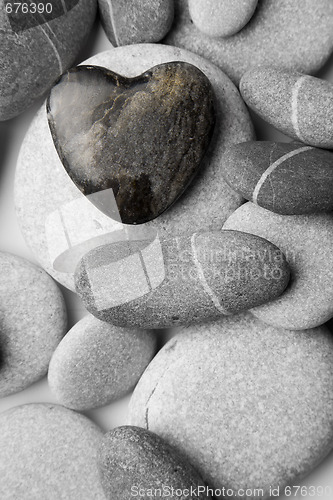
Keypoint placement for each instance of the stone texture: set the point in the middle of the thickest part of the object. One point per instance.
(143, 137)
(180, 281)
(133, 460)
(307, 242)
(97, 363)
(32, 323)
(294, 34)
(300, 106)
(136, 21)
(288, 179)
(221, 18)
(250, 405)
(42, 186)
(48, 452)
(36, 49)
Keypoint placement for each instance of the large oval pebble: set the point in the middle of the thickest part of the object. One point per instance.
(221, 18)
(179, 281)
(295, 34)
(307, 242)
(48, 452)
(136, 462)
(250, 405)
(284, 178)
(33, 321)
(136, 21)
(97, 363)
(36, 49)
(299, 105)
(52, 211)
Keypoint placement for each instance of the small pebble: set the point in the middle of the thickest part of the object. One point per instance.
(300, 106)
(307, 242)
(48, 452)
(180, 281)
(144, 138)
(288, 179)
(250, 405)
(136, 21)
(221, 18)
(36, 49)
(33, 321)
(97, 363)
(136, 462)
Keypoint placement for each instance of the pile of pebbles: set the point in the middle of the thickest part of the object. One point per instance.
(140, 186)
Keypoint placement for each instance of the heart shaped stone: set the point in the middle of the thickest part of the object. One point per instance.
(142, 137)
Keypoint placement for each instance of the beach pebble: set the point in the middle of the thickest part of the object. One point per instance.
(307, 242)
(32, 322)
(97, 363)
(36, 49)
(294, 34)
(221, 18)
(137, 462)
(48, 452)
(182, 280)
(300, 106)
(136, 21)
(142, 138)
(284, 178)
(45, 196)
(250, 405)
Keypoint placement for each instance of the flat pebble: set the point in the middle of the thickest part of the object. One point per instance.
(294, 34)
(307, 242)
(182, 280)
(250, 405)
(33, 320)
(137, 462)
(136, 21)
(300, 106)
(36, 49)
(45, 195)
(288, 179)
(48, 452)
(97, 363)
(221, 18)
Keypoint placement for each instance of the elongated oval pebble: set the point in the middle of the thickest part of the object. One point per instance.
(284, 178)
(307, 242)
(48, 452)
(97, 363)
(300, 106)
(250, 405)
(221, 18)
(180, 280)
(136, 21)
(136, 462)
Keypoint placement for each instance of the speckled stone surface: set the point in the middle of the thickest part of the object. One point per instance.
(288, 179)
(307, 242)
(42, 186)
(221, 18)
(144, 137)
(268, 394)
(48, 452)
(136, 21)
(35, 50)
(181, 280)
(33, 320)
(97, 363)
(294, 34)
(133, 460)
(301, 106)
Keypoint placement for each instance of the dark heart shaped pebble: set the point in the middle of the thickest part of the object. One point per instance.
(143, 137)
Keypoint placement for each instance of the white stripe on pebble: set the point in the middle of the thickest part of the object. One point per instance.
(272, 167)
(294, 107)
